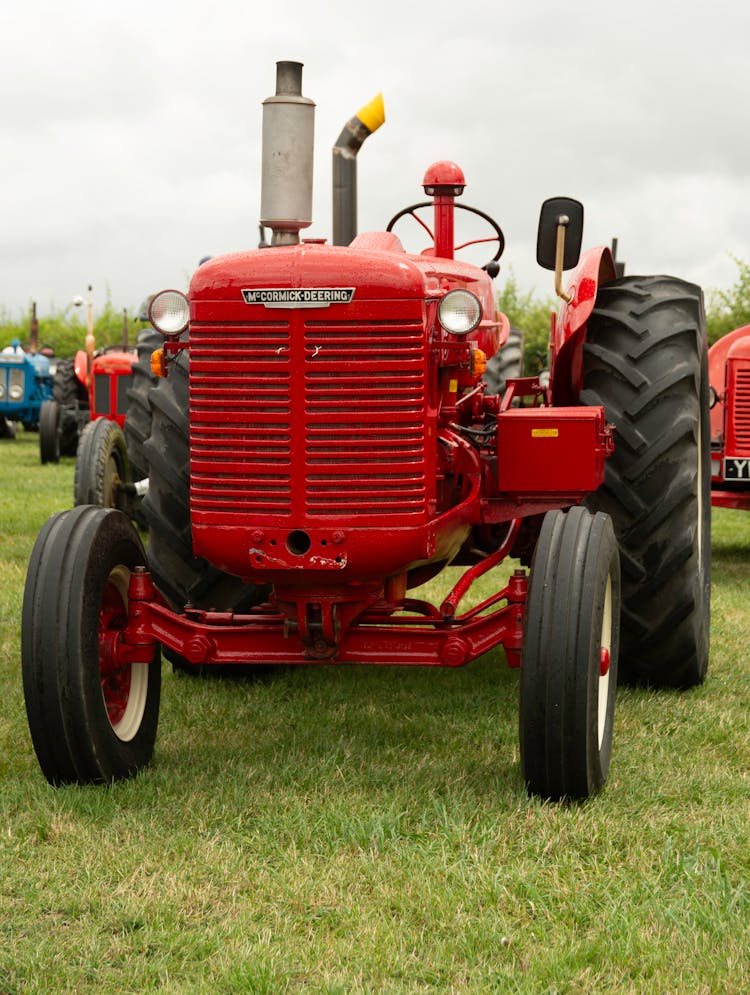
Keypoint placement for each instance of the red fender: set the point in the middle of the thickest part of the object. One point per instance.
(80, 366)
(596, 267)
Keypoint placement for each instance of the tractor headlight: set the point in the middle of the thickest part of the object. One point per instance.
(15, 387)
(459, 312)
(713, 397)
(2, 391)
(169, 312)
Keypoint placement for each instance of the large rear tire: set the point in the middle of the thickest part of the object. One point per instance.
(138, 421)
(92, 718)
(645, 360)
(71, 395)
(181, 577)
(569, 663)
(506, 363)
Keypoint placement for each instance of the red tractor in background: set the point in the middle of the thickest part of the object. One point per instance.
(322, 443)
(93, 394)
(729, 376)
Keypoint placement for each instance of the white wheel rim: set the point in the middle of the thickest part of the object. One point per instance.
(605, 644)
(128, 726)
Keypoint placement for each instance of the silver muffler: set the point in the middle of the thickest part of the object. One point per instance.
(287, 164)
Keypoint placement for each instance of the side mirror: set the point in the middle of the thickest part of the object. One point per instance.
(555, 212)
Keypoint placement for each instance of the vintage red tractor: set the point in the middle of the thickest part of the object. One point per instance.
(729, 376)
(93, 396)
(323, 443)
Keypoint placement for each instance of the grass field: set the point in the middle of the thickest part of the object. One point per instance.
(344, 830)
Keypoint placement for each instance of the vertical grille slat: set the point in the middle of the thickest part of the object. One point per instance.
(742, 408)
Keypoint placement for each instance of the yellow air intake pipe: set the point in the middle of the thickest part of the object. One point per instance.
(367, 120)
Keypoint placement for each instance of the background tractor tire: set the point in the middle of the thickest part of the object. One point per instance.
(7, 428)
(49, 432)
(181, 577)
(92, 717)
(71, 395)
(506, 363)
(102, 473)
(569, 661)
(138, 420)
(645, 360)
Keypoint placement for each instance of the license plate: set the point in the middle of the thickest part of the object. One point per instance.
(736, 469)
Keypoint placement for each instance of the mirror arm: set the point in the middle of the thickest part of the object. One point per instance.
(562, 223)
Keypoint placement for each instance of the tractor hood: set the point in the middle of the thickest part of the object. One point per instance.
(316, 276)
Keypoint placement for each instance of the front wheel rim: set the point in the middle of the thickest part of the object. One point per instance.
(124, 685)
(605, 648)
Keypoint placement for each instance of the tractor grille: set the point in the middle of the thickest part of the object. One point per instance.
(742, 410)
(309, 418)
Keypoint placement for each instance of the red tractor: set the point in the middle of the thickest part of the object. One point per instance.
(323, 443)
(729, 376)
(93, 395)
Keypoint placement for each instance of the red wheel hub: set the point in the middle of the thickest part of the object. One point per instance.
(603, 662)
(114, 672)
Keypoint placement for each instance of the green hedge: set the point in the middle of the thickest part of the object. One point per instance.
(65, 330)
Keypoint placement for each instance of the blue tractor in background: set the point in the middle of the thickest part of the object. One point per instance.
(25, 383)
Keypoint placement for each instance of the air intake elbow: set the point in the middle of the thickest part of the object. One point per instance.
(367, 120)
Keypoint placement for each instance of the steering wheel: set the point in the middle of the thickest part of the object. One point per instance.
(497, 237)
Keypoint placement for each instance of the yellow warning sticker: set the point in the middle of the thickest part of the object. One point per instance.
(544, 433)
(452, 386)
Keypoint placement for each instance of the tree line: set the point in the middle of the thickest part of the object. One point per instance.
(64, 330)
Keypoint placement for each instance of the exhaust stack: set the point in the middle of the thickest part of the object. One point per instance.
(33, 330)
(287, 165)
(348, 144)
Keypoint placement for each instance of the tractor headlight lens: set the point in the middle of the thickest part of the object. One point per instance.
(15, 386)
(459, 312)
(713, 397)
(2, 391)
(169, 312)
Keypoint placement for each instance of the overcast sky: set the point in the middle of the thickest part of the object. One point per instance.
(130, 138)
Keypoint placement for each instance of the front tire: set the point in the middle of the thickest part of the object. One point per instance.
(645, 360)
(570, 652)
(49, 432)
(7, 428)
(92, 717)
(102, 474)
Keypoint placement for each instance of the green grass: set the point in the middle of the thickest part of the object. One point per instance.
(366, 830)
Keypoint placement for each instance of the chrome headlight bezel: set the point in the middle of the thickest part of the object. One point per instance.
(169, 313)
(459, 312)
(16, 383)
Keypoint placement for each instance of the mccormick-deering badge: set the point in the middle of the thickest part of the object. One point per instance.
(299, 296)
